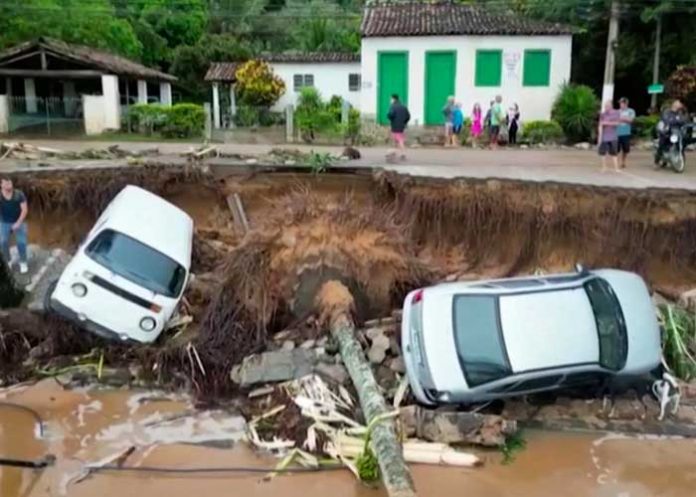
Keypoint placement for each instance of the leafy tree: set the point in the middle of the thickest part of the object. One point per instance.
(257, 85)
(575, 109)
(190, 63)
(682, 85)
(86, 22)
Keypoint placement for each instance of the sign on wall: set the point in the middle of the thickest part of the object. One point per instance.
(512, 65)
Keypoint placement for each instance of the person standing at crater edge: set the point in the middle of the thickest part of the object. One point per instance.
(13, 213)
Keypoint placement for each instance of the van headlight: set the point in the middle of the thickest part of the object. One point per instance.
(148, 324)
(78, 289)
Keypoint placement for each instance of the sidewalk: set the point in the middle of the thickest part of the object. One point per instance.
(565, 166)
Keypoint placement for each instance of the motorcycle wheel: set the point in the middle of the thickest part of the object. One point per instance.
(679, 162)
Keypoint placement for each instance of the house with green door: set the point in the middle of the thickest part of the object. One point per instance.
(426, 52)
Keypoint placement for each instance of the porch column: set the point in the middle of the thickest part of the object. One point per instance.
(233, 106)
(8, 86)
(142, 91)
(30, 95)
(69, 98)
(166, 93)
(112, 102)
(216, 106)
(4, 114)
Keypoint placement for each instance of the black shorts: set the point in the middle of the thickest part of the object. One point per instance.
(456, 129)
(610, 148)
(495, 130)
(625, 144)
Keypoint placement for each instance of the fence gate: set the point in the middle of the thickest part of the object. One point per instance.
(53, 116)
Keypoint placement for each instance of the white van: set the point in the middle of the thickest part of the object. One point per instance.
(130, 272)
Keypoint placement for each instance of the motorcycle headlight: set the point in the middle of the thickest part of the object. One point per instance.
(78, 289)
(674, 138)
(148, 324)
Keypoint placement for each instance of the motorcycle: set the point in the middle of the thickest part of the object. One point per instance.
(671, 145)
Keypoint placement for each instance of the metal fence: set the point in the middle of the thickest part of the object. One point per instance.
(53, 116)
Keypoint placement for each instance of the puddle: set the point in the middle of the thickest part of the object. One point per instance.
(89, 427)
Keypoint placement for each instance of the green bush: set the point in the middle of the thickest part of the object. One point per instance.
(542, 132)
(465, 135)
(313, 116)
(644, 126)
(147, 118)
(184, 121)
(246, 116)
(576, 109)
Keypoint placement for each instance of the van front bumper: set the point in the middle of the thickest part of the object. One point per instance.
(86, 324)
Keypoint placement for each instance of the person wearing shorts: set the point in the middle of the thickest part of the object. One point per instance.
(623, 130)
(457, 123)
(607, 138)
(497, 117)
(448, 113)
(399, 117)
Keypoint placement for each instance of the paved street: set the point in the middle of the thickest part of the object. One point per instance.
(567, 165)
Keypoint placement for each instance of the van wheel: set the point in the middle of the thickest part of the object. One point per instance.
(47, 296)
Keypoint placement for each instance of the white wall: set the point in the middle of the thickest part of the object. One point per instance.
(93, 110)
(4, 114)
(112, 102)
(330, 79)
(534, 102)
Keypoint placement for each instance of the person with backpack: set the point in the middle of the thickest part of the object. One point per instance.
(398, 116)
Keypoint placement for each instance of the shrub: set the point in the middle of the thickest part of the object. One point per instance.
(644, 126)
(184, 121)
(576, 109)
(257, 85)
(681, 84)
(542, 132)
(465, 135)
(147, 118)
(246, 116)
(312, 115)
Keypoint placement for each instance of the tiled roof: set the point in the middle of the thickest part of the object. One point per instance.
(447, 18)
(100, 60)
(222, 71)
(225, 71)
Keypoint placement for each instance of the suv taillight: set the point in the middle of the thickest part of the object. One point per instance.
(417, 297)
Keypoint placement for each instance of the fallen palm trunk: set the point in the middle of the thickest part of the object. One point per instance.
(335, 301)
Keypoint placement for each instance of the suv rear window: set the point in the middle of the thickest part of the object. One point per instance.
(137, 262)
(479, 340)
(613, 341)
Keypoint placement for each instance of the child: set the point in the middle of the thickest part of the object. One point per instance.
(457, 123)
(476, 121)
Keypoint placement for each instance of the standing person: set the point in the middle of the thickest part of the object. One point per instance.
(497, 117)
(13, 212)
(623, 130)
(607, 139)
(457, 123)
(487, 119)
(476, 121)
(513, 123)
(448, 112)
(399, 117)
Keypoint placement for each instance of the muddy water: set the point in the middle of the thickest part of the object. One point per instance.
(88, 427)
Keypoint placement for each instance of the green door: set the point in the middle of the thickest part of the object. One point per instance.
(439, 84)
(392, 77)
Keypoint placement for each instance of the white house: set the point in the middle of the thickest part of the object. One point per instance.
(425, 52)
(330, 73)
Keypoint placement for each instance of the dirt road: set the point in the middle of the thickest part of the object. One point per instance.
(565, 166)
(88, 427)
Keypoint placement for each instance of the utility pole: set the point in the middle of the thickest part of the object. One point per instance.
(610, 61)
(656, 62)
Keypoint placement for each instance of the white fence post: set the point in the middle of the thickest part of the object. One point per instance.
(289, 124)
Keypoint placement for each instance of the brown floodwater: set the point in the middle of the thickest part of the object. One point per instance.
(84, 427)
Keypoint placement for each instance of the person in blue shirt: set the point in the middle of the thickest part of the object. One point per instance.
(457, 123)
(623, 130)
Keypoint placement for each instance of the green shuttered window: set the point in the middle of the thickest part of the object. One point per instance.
(537, 68)
(489, 66)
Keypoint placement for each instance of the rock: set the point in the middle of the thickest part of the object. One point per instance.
(394, 347)
(280, 365)
(452, 427)
(290, 162)
(288, 345)
(321, 343)
(335, 372)
(378, 350)
(583, 146)
(373, 333)
(397, 365)
(308, 344)
(252, 162)
(524, 147)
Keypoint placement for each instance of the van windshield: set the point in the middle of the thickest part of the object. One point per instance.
(137, 262)
(479, 340)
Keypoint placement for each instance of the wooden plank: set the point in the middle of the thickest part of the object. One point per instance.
(234, 203)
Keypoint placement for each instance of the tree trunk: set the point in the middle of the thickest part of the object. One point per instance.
(387, 448)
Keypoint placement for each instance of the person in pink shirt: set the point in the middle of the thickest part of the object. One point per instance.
(476, 123)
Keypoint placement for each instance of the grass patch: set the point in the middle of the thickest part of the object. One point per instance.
(137, 137)
(514, 444)
(679, 340)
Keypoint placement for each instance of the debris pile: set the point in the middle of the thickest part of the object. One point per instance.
(26, 151)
